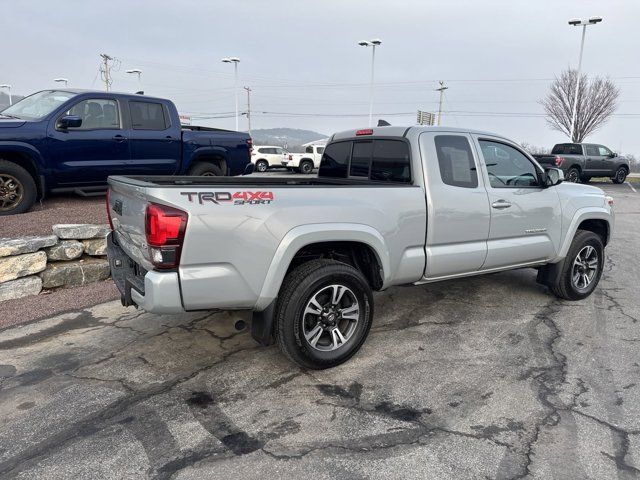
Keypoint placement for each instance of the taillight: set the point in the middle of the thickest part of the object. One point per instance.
(165, 227)
(558, 161)
(290, 157)
(109, 210)
(250, 145)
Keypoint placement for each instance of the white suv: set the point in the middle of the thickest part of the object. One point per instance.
(266, 156)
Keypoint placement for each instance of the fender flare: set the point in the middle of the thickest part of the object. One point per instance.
(304, 235)
(25, 149)
(207, 150)
(582, 214)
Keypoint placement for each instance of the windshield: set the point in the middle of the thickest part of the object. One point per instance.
(38, 105)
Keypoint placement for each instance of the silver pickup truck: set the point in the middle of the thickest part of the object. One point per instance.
(390, 206)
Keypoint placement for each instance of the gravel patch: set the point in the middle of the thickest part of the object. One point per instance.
(54, 209)
(27, 309)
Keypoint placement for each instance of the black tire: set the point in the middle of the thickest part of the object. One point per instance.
(18, 190)
(262, 166)
(206, 169)
(565, 287)
(306, 167)
(620, 176)
(307, 282)
(585, 179)
(573, 175)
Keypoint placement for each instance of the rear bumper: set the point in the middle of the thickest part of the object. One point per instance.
(155, 292)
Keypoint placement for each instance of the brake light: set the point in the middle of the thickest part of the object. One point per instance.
(364, 131)
(250, 145)
(109, 210)
(558, 160)
(165, 228)
(290, 157)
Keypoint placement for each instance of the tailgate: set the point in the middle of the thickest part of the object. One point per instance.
(127, 206)
(549, 160)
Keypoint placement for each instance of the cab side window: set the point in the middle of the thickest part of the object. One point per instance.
(507, 166)
(335, 161)
(96, 113)
(148, 116)
(592, 151)
(457, 167)
(604, 151)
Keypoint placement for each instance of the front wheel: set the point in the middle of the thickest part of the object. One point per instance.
(573, 175)
(324, 313)
(262, 166)
(582, 267)
(17, 189)
(620, 175)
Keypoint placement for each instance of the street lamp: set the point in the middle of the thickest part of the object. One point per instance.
(8, 87)
(235, 61)
(138, 72)
(62, 80)
(576, 22)
(371, 43)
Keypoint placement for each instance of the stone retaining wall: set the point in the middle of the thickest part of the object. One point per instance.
(73, 255)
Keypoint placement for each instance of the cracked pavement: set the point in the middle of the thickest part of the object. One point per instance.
(486, 377)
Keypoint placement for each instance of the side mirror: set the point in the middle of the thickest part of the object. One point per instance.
(613, 155)
(69, 121)
(553, 176)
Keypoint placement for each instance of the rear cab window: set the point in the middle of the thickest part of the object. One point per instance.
(567, 149)
(381, 160)
(148, 116)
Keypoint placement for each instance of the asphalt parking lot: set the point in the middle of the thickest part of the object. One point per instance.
(487, 377)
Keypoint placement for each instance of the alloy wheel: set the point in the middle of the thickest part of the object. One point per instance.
(330, 318)
(585, 267)
(11, 192)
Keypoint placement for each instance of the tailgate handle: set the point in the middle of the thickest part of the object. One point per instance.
(500, 204)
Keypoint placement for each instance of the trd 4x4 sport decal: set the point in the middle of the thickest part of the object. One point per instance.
(230, 198)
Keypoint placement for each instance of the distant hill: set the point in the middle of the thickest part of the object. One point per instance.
(4, 99)
(292, 138)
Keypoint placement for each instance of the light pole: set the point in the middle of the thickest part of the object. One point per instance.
(371, 43)
(235, 61)
(575, 22)
(8, 87)
(62, 80)
(138, 72)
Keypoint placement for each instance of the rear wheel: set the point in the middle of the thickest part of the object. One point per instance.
(582, 267)
(573, 175)
(262, 165)
(206, 169)
(17, 189)
(323, 314)
(306, 167)
(620, 175)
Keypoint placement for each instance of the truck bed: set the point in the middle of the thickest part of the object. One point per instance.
(248, 180)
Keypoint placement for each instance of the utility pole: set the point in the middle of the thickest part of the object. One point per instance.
(105, 70)
(248, 89)
(441, 90)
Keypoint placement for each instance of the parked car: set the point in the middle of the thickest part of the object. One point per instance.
(267, 156)
(390, 206)
(582, 161)
(72, 140)
(305, 162)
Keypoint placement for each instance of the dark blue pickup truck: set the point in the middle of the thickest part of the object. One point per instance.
(72, 140)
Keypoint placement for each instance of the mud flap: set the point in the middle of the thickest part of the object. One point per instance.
(262, 325)
(549, 274)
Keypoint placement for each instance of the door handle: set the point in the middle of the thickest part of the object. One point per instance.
(119, 138)
(169, 138)
(500, 204)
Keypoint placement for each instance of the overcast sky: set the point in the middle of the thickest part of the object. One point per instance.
(306, 70)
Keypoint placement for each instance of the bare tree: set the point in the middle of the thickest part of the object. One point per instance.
(534, 149)
(597, 100)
